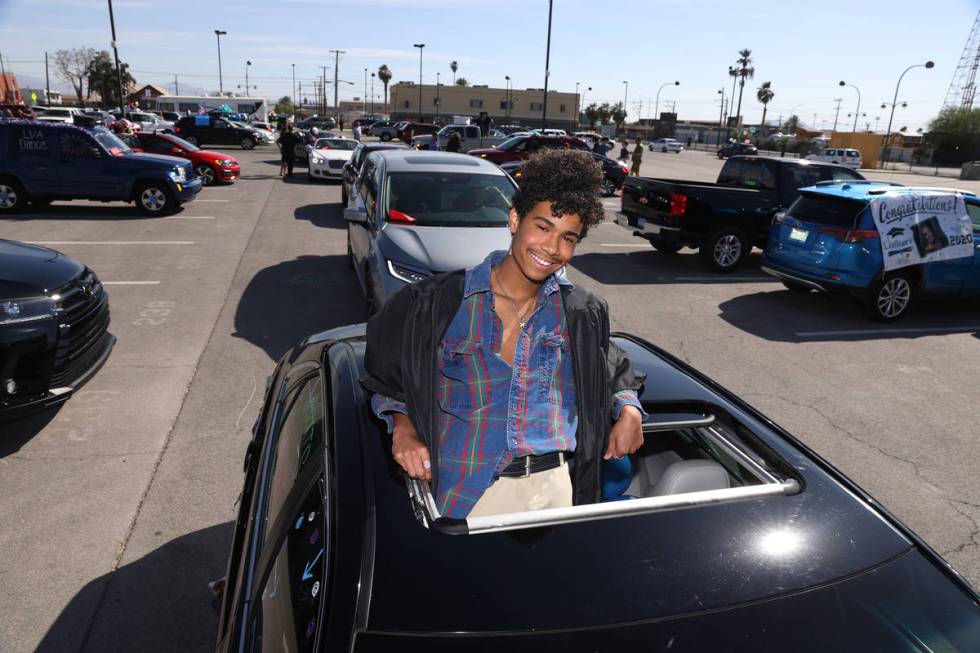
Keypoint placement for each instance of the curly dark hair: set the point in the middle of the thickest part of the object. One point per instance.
(569, 179)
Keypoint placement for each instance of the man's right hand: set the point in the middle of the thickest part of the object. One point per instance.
(408, 450)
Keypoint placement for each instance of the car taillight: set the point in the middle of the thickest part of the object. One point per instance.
(176, 130)
(678, 204)
(394, 215)
(849, 235)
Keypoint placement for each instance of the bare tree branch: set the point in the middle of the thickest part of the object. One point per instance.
(72, 66)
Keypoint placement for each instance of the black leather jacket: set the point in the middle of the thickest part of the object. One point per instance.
(403, 346)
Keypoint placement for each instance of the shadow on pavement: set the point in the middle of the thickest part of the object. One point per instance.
(17, 432)
(286, 302)
(787, 316)
(648, 266)
(327, 216)
(160, 602)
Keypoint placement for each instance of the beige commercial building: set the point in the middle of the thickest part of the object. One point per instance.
(447, 101)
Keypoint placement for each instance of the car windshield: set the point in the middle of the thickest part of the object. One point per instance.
(111, 142)
(510, 142)
(450, 198)
(190, 147)
(335, 144)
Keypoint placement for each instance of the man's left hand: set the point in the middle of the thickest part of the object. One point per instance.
(626, 435)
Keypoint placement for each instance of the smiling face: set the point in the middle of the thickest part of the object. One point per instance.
(543, 244)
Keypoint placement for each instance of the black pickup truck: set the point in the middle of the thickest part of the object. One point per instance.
(723, 220)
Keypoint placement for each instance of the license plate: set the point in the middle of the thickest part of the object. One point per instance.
(798, 234)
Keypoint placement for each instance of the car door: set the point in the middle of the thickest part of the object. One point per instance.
(222, 132)
(86, 170)
(360, 235)
(471, 137)
(33, 158)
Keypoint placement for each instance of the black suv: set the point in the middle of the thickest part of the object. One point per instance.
(320, 122)
(54, 317)
(215, 130)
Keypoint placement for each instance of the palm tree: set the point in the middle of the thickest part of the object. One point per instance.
(743, 70)
(454, 66)
(384, 74)
(764, 94)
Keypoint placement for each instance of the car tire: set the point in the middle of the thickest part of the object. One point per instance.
(385, 137)
(13, 199)
(192, 140)
(208, 175)
(608, 187)
(725, 249)
(796, 287)
(154, 198)
(247, 143)
(891, 296)
(666, 248)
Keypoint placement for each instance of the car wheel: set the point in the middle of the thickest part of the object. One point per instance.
(385, 137)
(890, 297)
(608, 187)
(155, 199)
(12, 196)
(666, 248)
(247, 143)
(207, 174)
(796, 287)
(725, 249)
(192, 140)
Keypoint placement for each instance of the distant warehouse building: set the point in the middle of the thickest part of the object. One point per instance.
(524, 106)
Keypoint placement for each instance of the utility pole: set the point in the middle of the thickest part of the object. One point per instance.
(420, 46)
(336, 70)
(176, 87)
(294, 89)
(300, 98)
(364, 99)
(323, 87)
(547, 70)
(372, 93)
(721, 115)
(47, 81)
(837, 114)
(115, 52)
(221, 83)
(3, 80)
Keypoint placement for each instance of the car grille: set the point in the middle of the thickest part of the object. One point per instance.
(335, 165)
(83, 319)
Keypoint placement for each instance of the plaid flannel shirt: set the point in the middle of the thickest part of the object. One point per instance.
(491, 412)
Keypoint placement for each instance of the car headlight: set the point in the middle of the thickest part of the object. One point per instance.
(179, 174)
(228, 163)
(17, 311)
(407, 275)
(316, 159)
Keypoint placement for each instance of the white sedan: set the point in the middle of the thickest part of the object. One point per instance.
(327, 157)
(666, 145)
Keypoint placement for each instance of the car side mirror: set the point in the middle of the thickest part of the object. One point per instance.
(355, 214)
(176, 150)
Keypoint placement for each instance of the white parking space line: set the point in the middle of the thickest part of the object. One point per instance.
(189, 217)
(110, 242)
(130, 283)
(862, 332)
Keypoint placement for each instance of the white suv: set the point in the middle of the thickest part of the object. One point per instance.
(845, 156)
(58, 114)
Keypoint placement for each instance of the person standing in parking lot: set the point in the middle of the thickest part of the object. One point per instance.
(637, 158)
(452, 143)
(357, 132)
(472, 370)
(287, 142)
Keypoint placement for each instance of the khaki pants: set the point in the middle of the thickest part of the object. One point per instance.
(548, 489)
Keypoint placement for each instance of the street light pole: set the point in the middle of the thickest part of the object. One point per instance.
(221, 85)
(721, 115)
(656, 112)
(364, 103)
(626, 92)
(547, 70)
(372, 93)
(115, 52)
(438, 97)
(294, 88)
(247, 65)
(858, 110)
(420, 46)
(507, 96)
(888, 132)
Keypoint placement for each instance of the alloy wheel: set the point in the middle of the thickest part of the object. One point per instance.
(206, 173)
(8, 197)
(727, 251)
(894, 297)
(153, 199)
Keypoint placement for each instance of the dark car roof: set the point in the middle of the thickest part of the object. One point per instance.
(629, 568)
(374, 147)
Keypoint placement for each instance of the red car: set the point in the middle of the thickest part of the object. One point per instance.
(211, 167)
(416, 129)
(520, 148)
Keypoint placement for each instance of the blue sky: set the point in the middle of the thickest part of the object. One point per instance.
(803, 48)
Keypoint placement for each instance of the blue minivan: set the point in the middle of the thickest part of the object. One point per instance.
(42, 162)
(827, 240)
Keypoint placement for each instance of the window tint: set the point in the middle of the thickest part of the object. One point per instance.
(974, 211)
(743, 173)
(825, 209)
(155, 144)
(300, 434)
(802, 176)
(29, 140)
(76, 145)
(290, 600)
(450, 199)
(843, 174)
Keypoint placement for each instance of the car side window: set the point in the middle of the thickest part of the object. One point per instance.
(843, 174)
(368, 190)
(300, 434)
(801, 176)
(974, 211)
(75, 145)
(156, 144)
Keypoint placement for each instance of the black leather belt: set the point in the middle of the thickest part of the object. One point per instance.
(527, 465)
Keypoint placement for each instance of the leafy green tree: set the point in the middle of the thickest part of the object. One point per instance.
(604, 112)
(462, 82)
(101, 75)
(765, 94)
(617, 114)
(384, 74)
(791, 125)
(72, 66)
(592, 114)
(284, 105)
(955, 135)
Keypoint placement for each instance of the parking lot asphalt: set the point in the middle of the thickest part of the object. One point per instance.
(118, 506)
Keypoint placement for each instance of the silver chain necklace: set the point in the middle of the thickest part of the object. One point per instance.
(521, 322)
